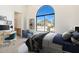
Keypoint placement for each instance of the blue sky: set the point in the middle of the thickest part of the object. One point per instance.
(46, 10)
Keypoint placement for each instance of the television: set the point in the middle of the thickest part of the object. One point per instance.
(4, 27)
(77, 29)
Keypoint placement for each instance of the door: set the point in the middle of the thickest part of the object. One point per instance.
(17, 22)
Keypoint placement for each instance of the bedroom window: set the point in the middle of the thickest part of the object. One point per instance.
(45, 18)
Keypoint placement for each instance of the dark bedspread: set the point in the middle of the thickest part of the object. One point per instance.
(35, 42)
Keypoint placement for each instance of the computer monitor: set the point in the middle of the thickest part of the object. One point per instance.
(4, 27)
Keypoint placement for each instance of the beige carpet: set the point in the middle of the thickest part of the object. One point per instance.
(12, 48)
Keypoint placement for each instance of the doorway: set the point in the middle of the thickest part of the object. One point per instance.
(17, 22)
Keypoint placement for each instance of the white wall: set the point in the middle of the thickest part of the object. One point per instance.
(31, 13)
(66, 16)
(64, 19)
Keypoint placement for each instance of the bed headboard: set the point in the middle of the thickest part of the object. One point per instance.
(77, 28)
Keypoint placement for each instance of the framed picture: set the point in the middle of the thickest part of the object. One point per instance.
(3, 20)
(32, 23)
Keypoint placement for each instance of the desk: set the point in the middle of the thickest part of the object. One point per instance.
(1, 38)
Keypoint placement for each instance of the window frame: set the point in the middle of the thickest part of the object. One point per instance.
(44, 19)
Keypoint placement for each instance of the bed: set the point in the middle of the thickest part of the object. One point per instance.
(49, 42)
(44, 43)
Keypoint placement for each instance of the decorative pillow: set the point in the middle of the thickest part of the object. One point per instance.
(66, 35)
(75, 37)
(74, 40)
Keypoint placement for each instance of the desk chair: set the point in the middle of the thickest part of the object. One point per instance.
(7, 40)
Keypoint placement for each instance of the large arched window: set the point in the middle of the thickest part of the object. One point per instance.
(45, 18)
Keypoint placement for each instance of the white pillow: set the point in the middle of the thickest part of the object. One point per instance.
(66, 35)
